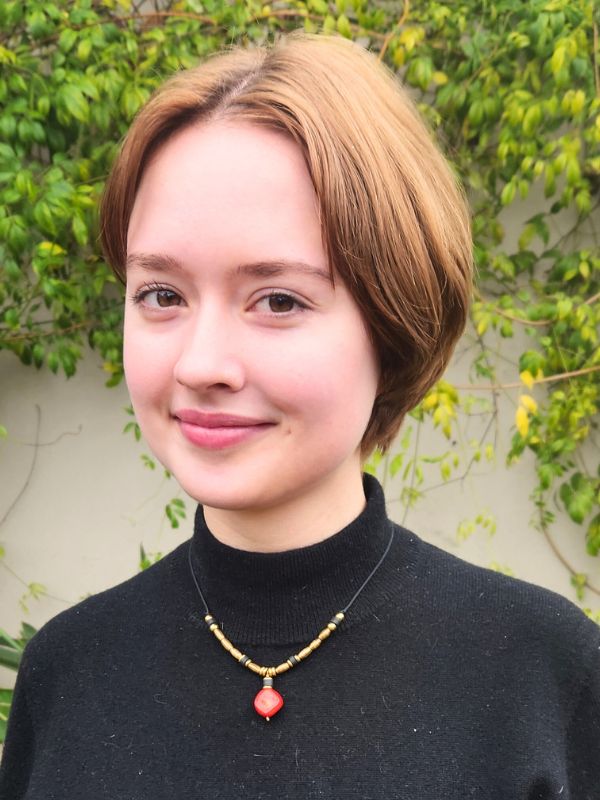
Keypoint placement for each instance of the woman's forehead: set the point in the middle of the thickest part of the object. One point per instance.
(238, 187)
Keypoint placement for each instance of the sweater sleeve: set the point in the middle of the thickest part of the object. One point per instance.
(17, 755)
(583, 740)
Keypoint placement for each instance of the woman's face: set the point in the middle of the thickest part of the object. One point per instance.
(220, 321)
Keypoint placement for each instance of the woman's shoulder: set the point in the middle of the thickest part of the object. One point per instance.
(148, 599)
(477, 598)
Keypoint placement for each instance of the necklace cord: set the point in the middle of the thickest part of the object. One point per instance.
(195, 579)
(373, 571)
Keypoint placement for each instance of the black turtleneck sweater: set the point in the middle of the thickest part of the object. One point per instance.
(445, 681)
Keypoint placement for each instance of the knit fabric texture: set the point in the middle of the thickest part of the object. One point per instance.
(445, 680)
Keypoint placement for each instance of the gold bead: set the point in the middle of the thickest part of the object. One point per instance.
(315, 643)
(236, 653)
(340, 615)
(208, 618)
(305, 652)
(219, 634)
(332, 626)
(263, 672)
(227, 645)
(214, 627)
(254, 667)
(271, 672)
(282, 668)
(324, 634)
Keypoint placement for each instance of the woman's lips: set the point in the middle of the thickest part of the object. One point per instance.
(217, 430)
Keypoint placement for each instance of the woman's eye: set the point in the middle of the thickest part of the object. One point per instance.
(281, 303)
(158, 298)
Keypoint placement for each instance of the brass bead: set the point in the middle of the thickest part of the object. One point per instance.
(271, 672)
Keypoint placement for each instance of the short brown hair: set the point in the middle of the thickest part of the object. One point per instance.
(395, 222)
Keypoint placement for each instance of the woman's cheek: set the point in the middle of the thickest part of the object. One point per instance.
(300, 381)
(148, 365)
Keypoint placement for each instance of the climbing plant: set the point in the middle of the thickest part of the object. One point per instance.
(512, 89)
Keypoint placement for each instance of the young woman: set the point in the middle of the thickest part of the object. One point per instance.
(298, 266)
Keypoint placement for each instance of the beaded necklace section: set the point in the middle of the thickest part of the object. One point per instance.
(268, 701)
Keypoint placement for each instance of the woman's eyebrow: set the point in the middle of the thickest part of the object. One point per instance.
(159, 262)
(274, 267)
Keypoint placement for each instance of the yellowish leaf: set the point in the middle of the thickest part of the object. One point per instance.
(522, 421)
(558, 59)
(578, 101)
(50, 249)
(584, 269)
(529, 403)
(527, 378)
(430, 401)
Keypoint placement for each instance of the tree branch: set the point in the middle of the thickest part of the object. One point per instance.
(31, 468)
(561, 558)
(519, 384)
(392, 33)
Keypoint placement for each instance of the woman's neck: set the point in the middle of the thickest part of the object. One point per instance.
(305, 518)
(288, 595)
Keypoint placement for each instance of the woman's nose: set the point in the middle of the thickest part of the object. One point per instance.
(209, 354)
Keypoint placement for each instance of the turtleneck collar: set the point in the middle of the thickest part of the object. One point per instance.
(286, 597)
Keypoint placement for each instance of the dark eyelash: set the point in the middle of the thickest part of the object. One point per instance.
(302, 306)
(138, 296)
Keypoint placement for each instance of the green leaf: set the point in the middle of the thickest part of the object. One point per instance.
(72, 100)
(578, 497)
(67, 39)
(579, 582)
(318, 6)
(592, 537)
(80, 230)
(9, 657)
(508, 194)
(343, 26)
(6, 696)
(84, 48)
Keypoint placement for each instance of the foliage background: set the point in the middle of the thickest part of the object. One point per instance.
(512, 89)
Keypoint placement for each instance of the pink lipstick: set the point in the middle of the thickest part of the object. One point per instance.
(216, 431)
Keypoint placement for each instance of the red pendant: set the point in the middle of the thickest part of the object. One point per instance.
(268, 702)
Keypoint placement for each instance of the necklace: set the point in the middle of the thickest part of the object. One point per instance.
(268, 701)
